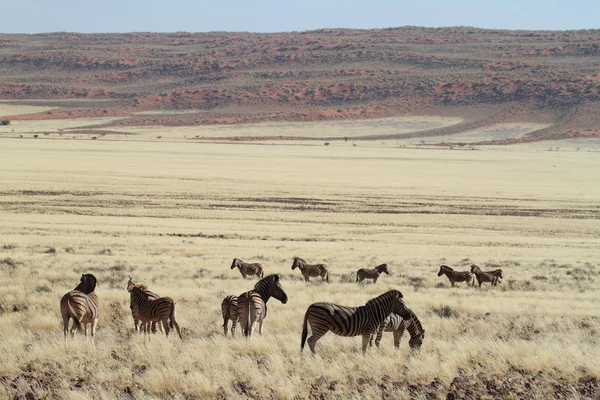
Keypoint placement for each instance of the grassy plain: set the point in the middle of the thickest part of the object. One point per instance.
(173, 215)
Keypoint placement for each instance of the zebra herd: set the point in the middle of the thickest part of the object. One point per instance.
(384, 313)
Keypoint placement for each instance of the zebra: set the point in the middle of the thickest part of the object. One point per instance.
(311, 270)
(351, 321)
(82, 305)
(497, 273)
(134, 310)
(364, 273)
(153, 310)
(485, 276)
(229, 311)
(252, 305)
(457, 276)
(396, 324)
(248, 269)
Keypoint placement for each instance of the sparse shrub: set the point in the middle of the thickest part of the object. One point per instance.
(105, 252)
(200, 273)
(35, 136)
(10, 263)
(326, 143)
(69, 250)
(5, 122)
(50, 250)
(444, 312)
(417, 282)
(440, 285)
(43, 289)
(9, 246)
(539, 278)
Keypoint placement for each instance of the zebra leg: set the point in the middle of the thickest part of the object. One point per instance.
(375, 279)
(225, 322)
(452, 283)
(93, 326)
(260, 326)
(398, 336)
(165, 324)
(244, 275)
(379, 335)
(312, 340)
(66, 326)
(233, 324)
(365, 342)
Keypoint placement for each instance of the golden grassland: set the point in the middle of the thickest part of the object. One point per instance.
(174, 215)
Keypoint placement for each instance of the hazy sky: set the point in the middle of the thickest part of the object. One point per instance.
(35, 16)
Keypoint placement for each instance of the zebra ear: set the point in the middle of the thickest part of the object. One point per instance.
(277, 277)
(400, 295)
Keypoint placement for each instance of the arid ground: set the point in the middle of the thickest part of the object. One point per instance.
(173, 214)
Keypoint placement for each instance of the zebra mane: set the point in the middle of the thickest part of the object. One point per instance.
(87, 284)
(386, 295)
(296, 259)
(444, 266)
(475, 268)
(271, 277)
(139, 286)
(415, 320)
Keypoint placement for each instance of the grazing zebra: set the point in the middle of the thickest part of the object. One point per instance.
(82, 305)
(153, 310)
(456, 276)
(484, 276)
(248, 269)
(396, 324)
(229, 311)
(351, 321)
(311, 270)
(134, 311)
(364, 273)
(252, 305)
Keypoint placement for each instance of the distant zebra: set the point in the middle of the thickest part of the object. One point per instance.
(311, 270)
(248, 269)
(485, 276)
(396, 324)
(497, 273)
(252, 305)
(134, 311)
(364, 273)
(351, 321)
(457, 276)
(153, 310)
(229, 311)
(82, 305)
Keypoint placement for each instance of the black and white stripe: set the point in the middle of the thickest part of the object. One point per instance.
(229, 311)
(373, 274)
(491, 277)
(161, 310)
(82, 305)
(396, 324)
(456, 276)
(308, 270)
(351, 321)
(252, 305)
(248, 269)
(134, 311)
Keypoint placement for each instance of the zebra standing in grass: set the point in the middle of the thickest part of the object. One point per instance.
(160, 310)
(252, 305)
(457, 276)
(311, 270)
(484, 276)
(396, 324)
(364, 273)
(248, 269)
(134, 310)
(351, 321)
(82, 305)
(498, 274)
(229, 311)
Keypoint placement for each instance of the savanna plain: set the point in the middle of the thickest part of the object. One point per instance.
(173, 215)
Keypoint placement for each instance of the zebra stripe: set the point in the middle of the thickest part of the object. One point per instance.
(229, 311)
(364, 273)
(252, 305)
(248, 269)
(82, 305)
(396, 324)
(153, 310)
(134, 310)
(308, 270)
(457, 276)
(350, 321)
(485, 276)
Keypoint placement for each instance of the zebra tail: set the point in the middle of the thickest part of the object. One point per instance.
(72, 314)
(327, 276)
(304, 331)
(248, 323)
(172, 317)
(357, 277)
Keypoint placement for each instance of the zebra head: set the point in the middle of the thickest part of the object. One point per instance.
(272, 285)
(131, 285)
(382, 268)
(234, 264)
(475, 269)
(416, 341)
(444, 269)
(88, 283)
(298, 262)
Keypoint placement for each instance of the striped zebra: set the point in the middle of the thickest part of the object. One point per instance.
(229, 311)
(364, 273)
(457, 276)
(252, 305)
(497, 273)
(153, 310)
(396, 324)
(248, 269)
(485, 276)
(134, 310)
(308, 270)
(82, 305)
(351, 321)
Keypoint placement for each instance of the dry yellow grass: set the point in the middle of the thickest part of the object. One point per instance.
(174, 215)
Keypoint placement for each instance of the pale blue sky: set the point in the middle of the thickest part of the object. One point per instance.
(35, 16)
